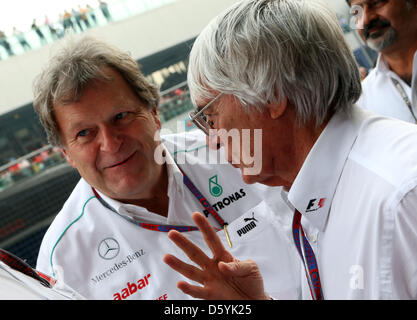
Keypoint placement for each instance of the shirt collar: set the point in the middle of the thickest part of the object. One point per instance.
(381, 65)
(175, 177)
(314, 187)
(383, 68)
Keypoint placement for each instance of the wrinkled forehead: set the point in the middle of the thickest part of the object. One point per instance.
(362, 2)
(378, 2)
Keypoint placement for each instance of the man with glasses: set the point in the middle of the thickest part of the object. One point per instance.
(348, 175)
(390, 27)
(108, 240)
(200, 119)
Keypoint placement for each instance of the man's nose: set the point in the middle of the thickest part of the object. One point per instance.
(110, 140)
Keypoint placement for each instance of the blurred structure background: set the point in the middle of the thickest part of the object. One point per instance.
(35, 180)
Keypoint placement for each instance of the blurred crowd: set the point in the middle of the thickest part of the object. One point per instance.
(76, 20)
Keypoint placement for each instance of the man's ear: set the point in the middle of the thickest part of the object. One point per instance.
(277, 109)
(68, 158)
(156, 117)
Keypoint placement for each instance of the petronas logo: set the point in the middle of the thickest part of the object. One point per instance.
(216, 190)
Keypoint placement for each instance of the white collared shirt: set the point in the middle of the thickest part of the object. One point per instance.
(103, 255)
(357, 193)
(380, 95)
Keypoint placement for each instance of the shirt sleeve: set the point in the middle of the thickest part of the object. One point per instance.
(404, 258)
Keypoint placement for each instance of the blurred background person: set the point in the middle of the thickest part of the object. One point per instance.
(38, 31)
(5, 44)
(21, 38)
(390, 28)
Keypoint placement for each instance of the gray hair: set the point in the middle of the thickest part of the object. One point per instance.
(80, 61)
(262, 51)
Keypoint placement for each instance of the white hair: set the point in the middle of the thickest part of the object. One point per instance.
(262, 51)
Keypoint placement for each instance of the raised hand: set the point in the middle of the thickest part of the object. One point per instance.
(223, 277)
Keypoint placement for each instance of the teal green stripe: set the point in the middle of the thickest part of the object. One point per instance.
(190, 150)
(62, 234)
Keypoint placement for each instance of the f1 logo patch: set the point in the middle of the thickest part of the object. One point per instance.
(313, 205)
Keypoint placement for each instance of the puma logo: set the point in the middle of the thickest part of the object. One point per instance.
(251, 219)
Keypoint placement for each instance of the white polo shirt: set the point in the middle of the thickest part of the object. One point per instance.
(357, 193)
(380, 95)
(103, 254)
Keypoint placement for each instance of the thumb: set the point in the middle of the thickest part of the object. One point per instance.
(238, 268)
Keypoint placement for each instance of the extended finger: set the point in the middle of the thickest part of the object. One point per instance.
(187, 270)
(192, 290)
(190, 249)
(210, 236)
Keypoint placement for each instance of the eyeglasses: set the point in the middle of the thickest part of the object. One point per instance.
(199, 119)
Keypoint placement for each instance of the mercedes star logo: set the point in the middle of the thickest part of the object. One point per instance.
(108, 248)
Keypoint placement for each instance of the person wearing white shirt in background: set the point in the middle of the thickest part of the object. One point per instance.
(109, 239)
(390, 27)
(349, 175)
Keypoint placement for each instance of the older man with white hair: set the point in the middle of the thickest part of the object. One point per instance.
(350, 176)
(390, 27)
